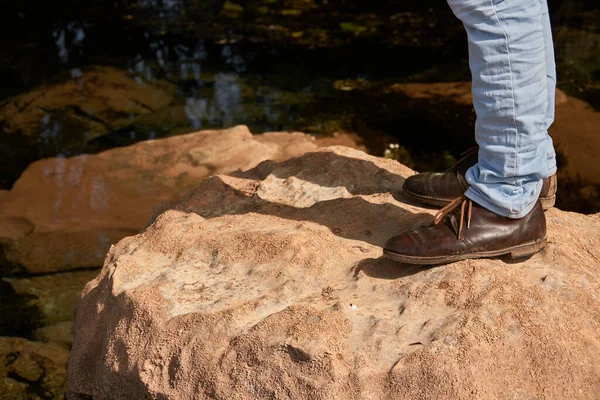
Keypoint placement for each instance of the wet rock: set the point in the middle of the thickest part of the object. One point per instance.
(576, 132)
(55, 294)
(12, 389)
(100, 100)
(231, 293)
(459, 92)
(61, 249)
(64, 117)
(14, 227)
(59, 332)
(81, 205)
(32, 370)
(20, 317)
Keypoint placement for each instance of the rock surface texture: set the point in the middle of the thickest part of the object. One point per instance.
(269, 284)
(62, 215)
(76, 207)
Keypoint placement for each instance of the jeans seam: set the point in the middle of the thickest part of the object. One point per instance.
(512, 92)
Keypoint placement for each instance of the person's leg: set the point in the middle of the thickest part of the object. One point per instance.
(550, 84)
(501, 213)
(440, 189)
(507, 56)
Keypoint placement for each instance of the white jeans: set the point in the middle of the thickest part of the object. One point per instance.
(511, 57)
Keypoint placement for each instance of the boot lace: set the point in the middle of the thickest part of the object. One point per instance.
(450, 211)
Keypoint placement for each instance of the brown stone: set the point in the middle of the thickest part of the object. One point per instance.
(222, 296)
(29, 370)
(576, 133)
(81, 205)
(59, 333)
(102, 99)
(14, 227)
(56, 293)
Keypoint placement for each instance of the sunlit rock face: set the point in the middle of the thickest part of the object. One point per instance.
(64, 213)
(61, 217)
(270, 283)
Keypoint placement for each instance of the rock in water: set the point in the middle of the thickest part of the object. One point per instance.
(32, 370)
(100, 100)
(270, 284)
(91, 201)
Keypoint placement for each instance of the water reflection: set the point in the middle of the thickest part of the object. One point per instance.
(50, 131)
(99, 195)
(195, 110)
(233, 58)
(57, 171)
(227, 103)
(68, 40)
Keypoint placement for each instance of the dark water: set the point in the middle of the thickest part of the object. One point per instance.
(269, 64)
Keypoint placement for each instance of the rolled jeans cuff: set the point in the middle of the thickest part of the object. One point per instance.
(483, 201)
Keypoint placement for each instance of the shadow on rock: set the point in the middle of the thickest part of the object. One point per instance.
(350, 196)
(331, 169)
(384, 268)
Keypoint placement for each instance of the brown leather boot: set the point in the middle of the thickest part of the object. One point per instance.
(439, 189)
(464, 229)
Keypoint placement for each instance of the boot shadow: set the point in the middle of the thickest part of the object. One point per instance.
(384, 268)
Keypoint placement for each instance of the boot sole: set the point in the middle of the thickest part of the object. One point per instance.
(547, 202)
(515, 252)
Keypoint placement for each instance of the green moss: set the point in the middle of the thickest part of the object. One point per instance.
(232, 7)
(353, 27)
(289, 12)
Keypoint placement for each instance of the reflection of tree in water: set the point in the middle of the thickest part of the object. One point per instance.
(68, 39)
(227, 103)
(271, 64)
(92, 29)
(170, 7)
(576, 27)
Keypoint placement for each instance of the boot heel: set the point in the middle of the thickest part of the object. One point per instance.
(528, 250)
(548, 202)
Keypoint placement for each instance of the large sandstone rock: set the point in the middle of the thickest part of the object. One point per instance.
(270, 284)
(64, 213)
